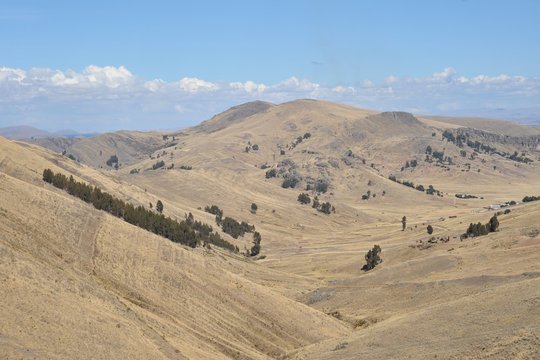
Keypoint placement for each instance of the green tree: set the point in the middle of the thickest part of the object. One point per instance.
(373, 258)
(48, 175)
(159, 206)
(493, 223)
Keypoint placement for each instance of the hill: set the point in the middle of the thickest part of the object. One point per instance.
(23, 132)
(305, 296)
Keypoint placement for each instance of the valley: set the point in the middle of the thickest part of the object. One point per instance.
(76, 279)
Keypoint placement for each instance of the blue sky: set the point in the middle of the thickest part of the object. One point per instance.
(106, 65)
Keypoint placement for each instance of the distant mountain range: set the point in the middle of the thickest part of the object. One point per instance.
(29, 132)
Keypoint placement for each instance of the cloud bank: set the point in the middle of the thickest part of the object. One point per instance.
(109, 98)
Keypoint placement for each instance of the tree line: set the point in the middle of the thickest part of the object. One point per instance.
(186, 232)
(235, 229)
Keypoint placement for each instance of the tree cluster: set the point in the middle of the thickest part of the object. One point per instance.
(188, 233)
(236, 229)
(158, 165)
(531, 198)
(325, 207)
(480, 229)
(373, 258)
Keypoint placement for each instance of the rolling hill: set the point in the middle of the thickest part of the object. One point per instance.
(75, 275)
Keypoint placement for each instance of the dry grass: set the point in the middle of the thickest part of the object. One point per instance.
(74, 276)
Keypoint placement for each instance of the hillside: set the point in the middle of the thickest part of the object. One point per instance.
(23, 132)
(74, 276)
(127, 146)
(305, 296)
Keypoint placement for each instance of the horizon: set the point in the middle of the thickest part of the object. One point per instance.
(175, 65)
(65, 132)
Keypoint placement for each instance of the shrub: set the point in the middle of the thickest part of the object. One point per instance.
(158, 165)
(531, 198)
(112, 160)
(307, 135)
(255, 147)
(253, 208)
(373, 258)
(430, 229)
(289, 182)
(321, 186)
(304, 199)
(326, 208)
(271, 173)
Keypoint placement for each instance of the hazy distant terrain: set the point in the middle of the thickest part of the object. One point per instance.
(80, 281)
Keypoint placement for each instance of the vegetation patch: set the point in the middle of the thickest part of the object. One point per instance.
(186, 232)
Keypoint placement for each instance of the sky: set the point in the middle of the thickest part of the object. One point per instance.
(109, 65)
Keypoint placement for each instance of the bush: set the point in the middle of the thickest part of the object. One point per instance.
(272, 173)
(253, 208)
(321, 186)
(304, 199)
(531, 198)
(373, 258)
(112, 160)
(326, 208)
(158, 165)
(289, 182)
(430, 229)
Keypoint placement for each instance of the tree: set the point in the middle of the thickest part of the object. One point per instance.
(373, 258)
(159, 206)
(256, 248)
(493, 223)
(430, 229)
(404, 223)
(48, 175)
(254, 208)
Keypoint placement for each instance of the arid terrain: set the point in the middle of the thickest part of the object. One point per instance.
(78, 282)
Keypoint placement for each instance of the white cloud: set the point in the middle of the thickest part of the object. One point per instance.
(109, 76)
(9, 74)
(194, 85)
(294, 84)
(154, 85)
(248, 86)
(114, 92)
(344, 90)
